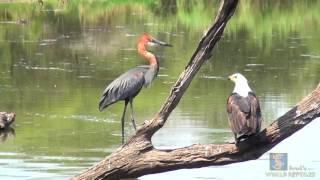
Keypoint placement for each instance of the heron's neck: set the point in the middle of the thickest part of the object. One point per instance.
(150, 74)
(146, 54)
(242, 89)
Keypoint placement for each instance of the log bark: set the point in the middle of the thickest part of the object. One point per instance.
(6, 119)
(139, 157)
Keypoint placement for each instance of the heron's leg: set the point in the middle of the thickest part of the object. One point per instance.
(132, 115)
(122, 120)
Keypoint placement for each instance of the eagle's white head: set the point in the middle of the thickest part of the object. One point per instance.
(241, 84)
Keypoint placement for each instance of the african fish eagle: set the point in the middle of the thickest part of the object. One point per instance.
(243, 109)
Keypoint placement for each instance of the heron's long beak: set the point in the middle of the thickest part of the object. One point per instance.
(156, 41)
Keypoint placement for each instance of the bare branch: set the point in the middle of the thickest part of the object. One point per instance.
(202, 53)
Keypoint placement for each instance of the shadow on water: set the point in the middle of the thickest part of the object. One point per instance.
(7, 133)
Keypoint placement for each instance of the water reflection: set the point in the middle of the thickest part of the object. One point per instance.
(7, 133)
(54, 67)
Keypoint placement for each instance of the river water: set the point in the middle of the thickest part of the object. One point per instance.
(56, 59)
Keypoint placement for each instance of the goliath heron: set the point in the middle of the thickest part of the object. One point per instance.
(128, 85)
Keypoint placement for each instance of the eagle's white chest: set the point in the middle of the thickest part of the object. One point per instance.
(242, 88)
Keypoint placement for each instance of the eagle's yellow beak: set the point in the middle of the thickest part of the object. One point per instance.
(232, 78)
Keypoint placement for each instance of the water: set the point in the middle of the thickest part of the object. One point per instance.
(56, 60)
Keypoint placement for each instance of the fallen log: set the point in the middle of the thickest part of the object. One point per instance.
(6, 119)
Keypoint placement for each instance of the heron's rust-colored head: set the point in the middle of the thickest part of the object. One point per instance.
(146, 39)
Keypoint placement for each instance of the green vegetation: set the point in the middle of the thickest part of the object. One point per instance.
(260, 19)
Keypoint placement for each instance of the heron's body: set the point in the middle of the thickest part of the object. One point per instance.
(243, 109)
(128, 85)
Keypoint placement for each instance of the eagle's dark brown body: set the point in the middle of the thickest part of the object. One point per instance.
(243, 109)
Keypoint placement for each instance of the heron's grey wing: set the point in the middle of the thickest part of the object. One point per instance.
(255, 113)
(238, 111)
(124, 87)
